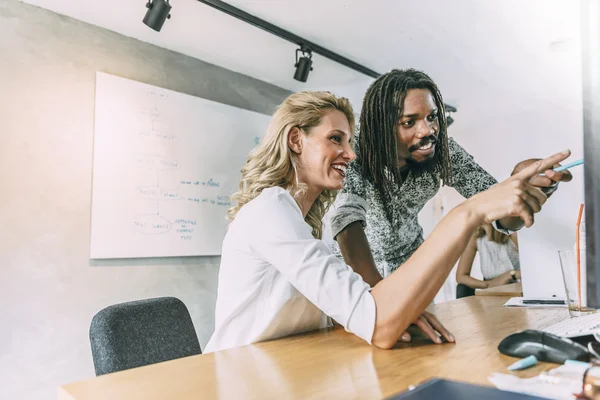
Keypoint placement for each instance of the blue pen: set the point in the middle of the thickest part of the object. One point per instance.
(565, 167)
(523, 363)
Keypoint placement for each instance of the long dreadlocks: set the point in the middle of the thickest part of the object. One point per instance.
(378, 138)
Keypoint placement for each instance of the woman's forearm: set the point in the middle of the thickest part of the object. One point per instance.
(502, 279)
(471, 282)
(404, 295)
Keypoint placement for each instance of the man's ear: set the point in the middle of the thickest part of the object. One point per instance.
(295, 140)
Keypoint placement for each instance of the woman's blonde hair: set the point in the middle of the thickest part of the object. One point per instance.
(273, 163)
(492, 235)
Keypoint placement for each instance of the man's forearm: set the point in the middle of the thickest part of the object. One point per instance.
(368, 273)
(357, 254)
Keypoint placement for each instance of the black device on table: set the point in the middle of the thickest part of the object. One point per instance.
(544, 302)
(544, 346)
(436, 389)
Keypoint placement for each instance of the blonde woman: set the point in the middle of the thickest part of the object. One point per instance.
(277, 277)
(498, 258)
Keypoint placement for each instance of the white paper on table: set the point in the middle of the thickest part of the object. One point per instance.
(563, 382)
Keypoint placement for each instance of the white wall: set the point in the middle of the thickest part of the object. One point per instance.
(534, 110)
(524, 102)
(49, 289)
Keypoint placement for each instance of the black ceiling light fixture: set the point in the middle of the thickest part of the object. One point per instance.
(157, 14)
(449, 111)
(303, 64)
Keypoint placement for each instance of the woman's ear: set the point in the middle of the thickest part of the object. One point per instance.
(295, 140)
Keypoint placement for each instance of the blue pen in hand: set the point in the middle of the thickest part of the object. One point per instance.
(567, 166)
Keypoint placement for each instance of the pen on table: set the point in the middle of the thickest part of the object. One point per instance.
(543, 302)
(523, 363)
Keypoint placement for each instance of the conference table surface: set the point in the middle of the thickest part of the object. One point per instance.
(331, 363)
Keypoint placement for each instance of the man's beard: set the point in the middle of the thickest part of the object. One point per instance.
(429, 164)
(419, 167)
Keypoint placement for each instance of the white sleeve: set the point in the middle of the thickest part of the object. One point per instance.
(282, 238)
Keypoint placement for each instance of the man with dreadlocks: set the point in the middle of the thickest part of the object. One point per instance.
(403, 157)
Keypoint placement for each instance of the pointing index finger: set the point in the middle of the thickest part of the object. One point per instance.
(542, 165)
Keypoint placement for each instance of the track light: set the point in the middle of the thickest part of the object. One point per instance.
(157, 14)
(303, 64)
(449, 110)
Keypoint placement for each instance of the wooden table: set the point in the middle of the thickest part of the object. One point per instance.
(331, 363)
(510, 290)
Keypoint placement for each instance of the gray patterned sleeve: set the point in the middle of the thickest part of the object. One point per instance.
(350, 204)
(468, 178)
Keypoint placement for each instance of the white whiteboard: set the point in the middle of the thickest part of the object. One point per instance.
(165, 164)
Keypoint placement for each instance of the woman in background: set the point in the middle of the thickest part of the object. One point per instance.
(498, 257)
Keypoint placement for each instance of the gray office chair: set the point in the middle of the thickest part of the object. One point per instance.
(143, 332)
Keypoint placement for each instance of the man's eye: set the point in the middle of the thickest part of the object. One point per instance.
(432, 117)
(408, 124)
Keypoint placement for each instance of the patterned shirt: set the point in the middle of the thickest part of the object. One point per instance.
(392, 227)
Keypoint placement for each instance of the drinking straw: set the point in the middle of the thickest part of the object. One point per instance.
(578, 255)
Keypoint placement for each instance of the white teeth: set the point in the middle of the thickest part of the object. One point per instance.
(426, 147)
(340, 168)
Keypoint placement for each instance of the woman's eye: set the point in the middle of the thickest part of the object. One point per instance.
(336, 139)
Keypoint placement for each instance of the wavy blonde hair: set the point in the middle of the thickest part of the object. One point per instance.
(493, 235)
(273, 163)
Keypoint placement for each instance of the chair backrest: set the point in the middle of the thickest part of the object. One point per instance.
(143, 332)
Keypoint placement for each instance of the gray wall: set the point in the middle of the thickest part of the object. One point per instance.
(49, 289)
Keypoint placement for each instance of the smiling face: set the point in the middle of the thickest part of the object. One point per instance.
(418, 127)
(323, 153)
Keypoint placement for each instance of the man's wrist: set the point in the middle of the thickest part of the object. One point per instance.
(548, 190)
(509, 225)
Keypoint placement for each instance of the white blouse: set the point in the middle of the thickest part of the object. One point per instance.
(497, 258)
(276, 279)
